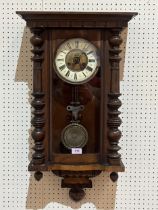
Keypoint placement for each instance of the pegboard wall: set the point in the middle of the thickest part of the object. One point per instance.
(137, 188)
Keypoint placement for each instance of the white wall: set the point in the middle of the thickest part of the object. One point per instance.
(137, 188)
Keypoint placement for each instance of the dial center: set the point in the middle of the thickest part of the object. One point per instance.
(76, 60)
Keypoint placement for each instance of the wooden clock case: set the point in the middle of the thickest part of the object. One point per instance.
(100, 97)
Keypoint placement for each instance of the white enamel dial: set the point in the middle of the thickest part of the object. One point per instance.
(76, 61)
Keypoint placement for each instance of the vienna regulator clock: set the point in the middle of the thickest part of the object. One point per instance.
(76, 95)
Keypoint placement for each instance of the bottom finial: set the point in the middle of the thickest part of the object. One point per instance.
(76, 193)
(38, 175)
(114, 176)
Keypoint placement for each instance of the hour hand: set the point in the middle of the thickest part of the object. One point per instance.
(75, 110)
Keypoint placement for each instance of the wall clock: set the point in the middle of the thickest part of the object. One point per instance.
(76, 95)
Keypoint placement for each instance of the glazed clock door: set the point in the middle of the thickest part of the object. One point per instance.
(76, 90)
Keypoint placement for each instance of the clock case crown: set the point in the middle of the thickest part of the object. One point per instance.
(49, 30)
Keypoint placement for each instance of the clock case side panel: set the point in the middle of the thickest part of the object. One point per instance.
(40, 103)
(114, 103)
(105, 86)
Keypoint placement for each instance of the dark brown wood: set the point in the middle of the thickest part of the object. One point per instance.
(76, 19)
(38, 103)
(77, 167)
(76, 193)
(114, 121)
(114, 176)
(88, 158)
(38, 175)
(105, 84)
(100, 97)
(76, 181)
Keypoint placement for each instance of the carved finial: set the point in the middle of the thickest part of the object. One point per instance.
(38, 103)
(38, 175)
(76, 193)
(114, 103)
(114, 176)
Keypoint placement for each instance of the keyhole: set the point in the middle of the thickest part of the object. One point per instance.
(68, 108)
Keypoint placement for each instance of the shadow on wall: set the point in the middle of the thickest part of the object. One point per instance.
(48, 191)
(123, 52)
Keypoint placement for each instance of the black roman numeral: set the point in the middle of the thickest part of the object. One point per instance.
(63, 52)
(69, 46)
(89, 68)
(75, 76)
(91, 60)
(89, 52)
(67, 73)
(84, 74)
(76, 44)
(60, 59)
(85, 47)
(62, 67)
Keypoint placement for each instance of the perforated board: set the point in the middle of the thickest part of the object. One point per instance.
(137, 188)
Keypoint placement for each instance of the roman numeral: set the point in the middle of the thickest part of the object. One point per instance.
(76, 44)
(91, 60)
(63, 52)
(62, 67)
(75, 76)
(85, 47)
(60, 59)
(89, 68)
(67, 73)
(68, 44)
(89, 52)
(84, 74)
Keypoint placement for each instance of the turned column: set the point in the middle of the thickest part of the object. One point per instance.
(114, 121)
(38, 104)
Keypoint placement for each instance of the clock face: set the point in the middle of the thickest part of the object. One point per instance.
(76, 61)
